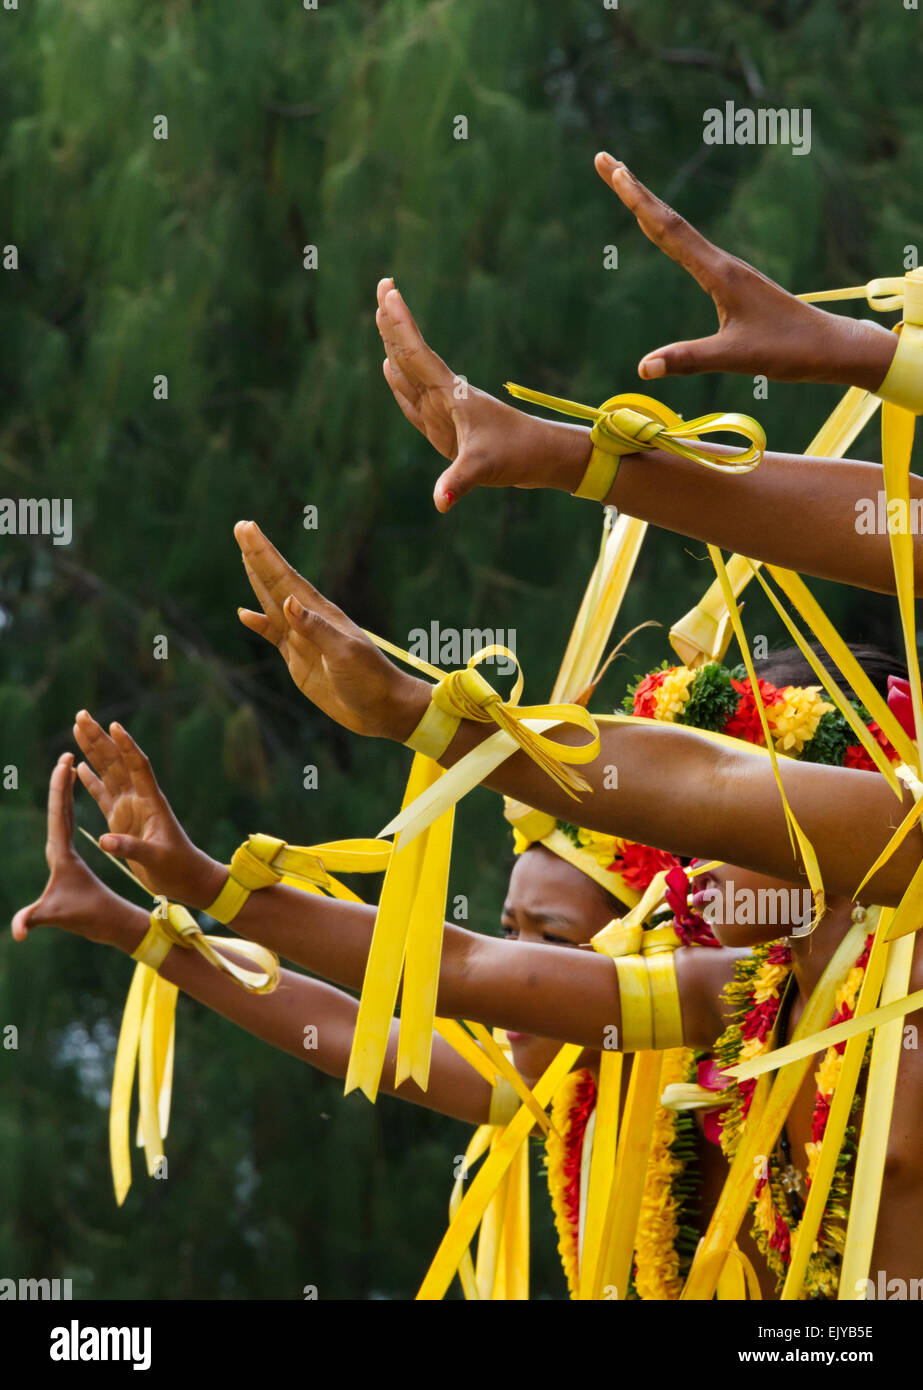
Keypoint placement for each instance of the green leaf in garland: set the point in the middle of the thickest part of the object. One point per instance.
(712, 699)
(830, 742)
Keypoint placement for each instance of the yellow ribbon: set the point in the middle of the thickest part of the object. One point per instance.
(630, 423)
(883, 294)
(704, 633)
(808, 856)
(476, 1200)
(263, 860)
(763, 1125)
(147, 1034)
(409, 923)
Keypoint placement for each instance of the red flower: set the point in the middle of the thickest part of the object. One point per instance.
(645, 702)
(779, 955)
(745, 1090)
(759, 1021)
(856, 756)
(677, 890)
(900, 703)
(781, 1239)
(710, 1076)
(819, 1120)
(639, 863)
(745, 721)
(691, 926)
(713, 1123)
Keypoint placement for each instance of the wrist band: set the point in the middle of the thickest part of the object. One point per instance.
(630, 423)
(248, 870)
(171, 925)
(434, 732)
(623, 431)
(263, 860)
(903, 384)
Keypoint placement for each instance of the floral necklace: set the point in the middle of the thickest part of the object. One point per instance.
(757, 994)
(667, 1233)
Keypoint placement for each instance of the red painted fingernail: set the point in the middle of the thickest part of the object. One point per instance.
(449, 497)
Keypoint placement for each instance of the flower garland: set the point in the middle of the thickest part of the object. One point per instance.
(802, 722)
(667, 1235)
(755, 995)
(571, 1109)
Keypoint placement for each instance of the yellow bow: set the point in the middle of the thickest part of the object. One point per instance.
(147, 1034)
(148, 1030)
(627, 423)
(263, 860)
(411, 911)
(883, 294)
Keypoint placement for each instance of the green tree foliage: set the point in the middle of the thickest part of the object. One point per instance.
(142, 258)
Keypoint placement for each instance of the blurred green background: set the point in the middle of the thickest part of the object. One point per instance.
(184, 257)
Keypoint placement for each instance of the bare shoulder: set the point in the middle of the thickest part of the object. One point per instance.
(702, 975)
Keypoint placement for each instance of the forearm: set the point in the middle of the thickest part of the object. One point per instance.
(306, 1018)
(800, 512)
(481, 977)
(679, 792)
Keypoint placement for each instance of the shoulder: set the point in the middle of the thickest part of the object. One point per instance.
(702, 975)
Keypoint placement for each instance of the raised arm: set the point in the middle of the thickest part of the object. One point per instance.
(551, 991)
(801, 512)
(675, 789)
(762, 329)
(75, 900)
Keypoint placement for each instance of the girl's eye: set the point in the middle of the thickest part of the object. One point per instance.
(556, 940)
(509, 933)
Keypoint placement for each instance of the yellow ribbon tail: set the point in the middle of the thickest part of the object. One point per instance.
(471, 1209)
(423, 952)
(126, 1054)
(796, 834)
(411, 887)
(763, 1126)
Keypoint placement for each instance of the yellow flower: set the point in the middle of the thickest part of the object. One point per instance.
(603, 848)
(673, 693)
(520, 842)
(796, 716)
(828, 1072)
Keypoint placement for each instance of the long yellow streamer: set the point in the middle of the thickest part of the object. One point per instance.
(472, 1207)
(762, 1129)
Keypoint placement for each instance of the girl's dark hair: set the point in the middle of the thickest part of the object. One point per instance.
(788, 666)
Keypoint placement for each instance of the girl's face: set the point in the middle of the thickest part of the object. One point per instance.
(549, 902)
(744, 908)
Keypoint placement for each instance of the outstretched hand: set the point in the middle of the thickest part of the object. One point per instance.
(74, 898)
(762, 329)
(490, 443)
(142, 827)
(331, 660)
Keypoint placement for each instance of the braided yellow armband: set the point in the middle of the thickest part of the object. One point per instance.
(631, 423)
(903, 384)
